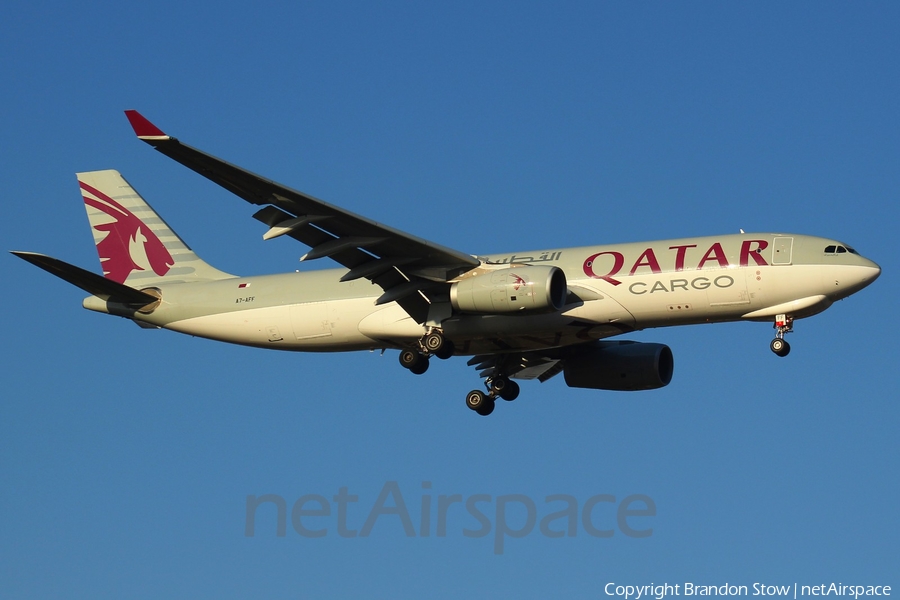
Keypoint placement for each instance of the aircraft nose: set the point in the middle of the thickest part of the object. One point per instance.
(876, 271)
(857, 276)
(871, 272)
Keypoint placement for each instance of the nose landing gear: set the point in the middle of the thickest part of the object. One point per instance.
(783, 325)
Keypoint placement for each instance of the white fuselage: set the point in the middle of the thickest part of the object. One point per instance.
(612, 290)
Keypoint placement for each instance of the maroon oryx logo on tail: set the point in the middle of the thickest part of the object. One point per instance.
(129, 245)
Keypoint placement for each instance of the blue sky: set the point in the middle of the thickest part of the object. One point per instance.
(126, 456)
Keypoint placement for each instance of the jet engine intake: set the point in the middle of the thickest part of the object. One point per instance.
(621, 366)
(530, 288)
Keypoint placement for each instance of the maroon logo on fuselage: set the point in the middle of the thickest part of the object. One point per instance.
(750, 250)
(129, 244)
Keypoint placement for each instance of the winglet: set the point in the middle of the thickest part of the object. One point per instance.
(143, 128)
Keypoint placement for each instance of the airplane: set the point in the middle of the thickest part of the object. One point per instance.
(519, 316)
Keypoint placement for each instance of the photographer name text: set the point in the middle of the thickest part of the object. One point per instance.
(794, 590)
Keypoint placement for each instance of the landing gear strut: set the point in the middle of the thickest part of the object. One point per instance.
(783, 325)
(499, 386)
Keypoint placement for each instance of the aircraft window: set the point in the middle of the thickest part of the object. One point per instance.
(841, 250)
(851, 250)
(829, 249)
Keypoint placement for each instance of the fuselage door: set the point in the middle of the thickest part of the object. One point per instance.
(310, 320)
(782, 247)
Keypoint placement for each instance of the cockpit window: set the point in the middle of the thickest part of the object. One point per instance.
(839, 250)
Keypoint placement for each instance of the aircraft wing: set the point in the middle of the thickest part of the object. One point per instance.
(540, 365)
(411, 271)
(532, 364)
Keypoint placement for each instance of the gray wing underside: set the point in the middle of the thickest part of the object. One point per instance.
(518, 365)
(411, 271)
(531, 364)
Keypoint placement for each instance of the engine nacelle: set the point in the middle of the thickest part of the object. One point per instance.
(532, 288)
(621, 366)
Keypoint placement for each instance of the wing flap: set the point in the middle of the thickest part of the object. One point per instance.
(541, 365)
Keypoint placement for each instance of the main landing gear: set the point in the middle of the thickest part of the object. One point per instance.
(783, 325)
(498, 386)
(432, 343)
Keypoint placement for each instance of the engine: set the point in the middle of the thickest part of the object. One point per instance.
(534, 288)
(621, 366)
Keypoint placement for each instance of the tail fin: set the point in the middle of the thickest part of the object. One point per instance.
(135, 245)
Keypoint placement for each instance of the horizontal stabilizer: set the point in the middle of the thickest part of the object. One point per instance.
(92, 283)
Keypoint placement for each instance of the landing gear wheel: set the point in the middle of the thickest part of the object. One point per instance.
(446, 350)
(420, 367)
(503, 387)
(408, 358)
(415, 362)
(433, 342)
(487, 409)
(477, 400)
(780, 347)
(510, 391)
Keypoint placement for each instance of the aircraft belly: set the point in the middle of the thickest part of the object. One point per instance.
(255, 327)
(805, 290)
(495, 344)
(577, 323)
(315, 326)
(312, 321)
(390, 323)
